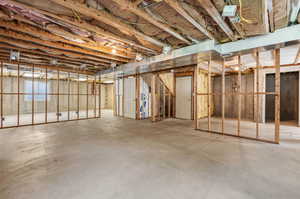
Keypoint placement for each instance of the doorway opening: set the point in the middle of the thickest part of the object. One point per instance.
(289, 98)
(107, 96)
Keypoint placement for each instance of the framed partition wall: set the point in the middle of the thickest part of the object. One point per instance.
(230, 97)
(35, 94)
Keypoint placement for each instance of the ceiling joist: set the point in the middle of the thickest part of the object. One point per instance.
(8, 48)
(214, 13)
(27, 29)
(183, 11)
(107, 18)
(29, 45)
(60, 46)
(126, 4)
(79, 24)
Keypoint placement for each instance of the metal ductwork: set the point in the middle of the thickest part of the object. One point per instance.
(187, 55)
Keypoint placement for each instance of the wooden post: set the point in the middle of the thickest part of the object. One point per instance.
(99, 96)
(174, 95)
(153, 95)
(169, 104)
(18, 105)
(239, 84)
(209, 93)
(114, 98)
(223, 96)
(95, 95)
(299, 99)
(78, 95)
(257, 111)
(68, 96)
(164, 102)
(2, 94)
(117, 82)
(277, 96)
(87, 96)
(57, 112)
(196, 96)
(123, 104)
(157, 102)
(137, 96)
(32, 103)
(46, 101)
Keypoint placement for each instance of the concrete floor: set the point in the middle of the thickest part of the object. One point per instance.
(11, 120)
(126, 159)
(266, 131)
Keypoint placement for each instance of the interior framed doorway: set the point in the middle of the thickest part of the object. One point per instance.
(184, 96)
(289, 92)
(107, 98)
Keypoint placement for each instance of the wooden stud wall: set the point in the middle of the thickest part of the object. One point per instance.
(57, 94)
(256, 94)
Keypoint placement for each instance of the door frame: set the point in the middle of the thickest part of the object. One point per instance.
(135, 96)
(184, 74)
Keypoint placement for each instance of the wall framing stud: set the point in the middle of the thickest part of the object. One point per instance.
(32, 103)
(277, 96)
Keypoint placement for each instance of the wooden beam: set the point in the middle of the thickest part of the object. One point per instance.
(223, 96)
(239, 84)
(297, 56)
(49, 67)
(137, 11)
(137, 2)
(209, 95)
(214, 13)
(137, 96)
(271, 15)
(107, 18)
(36, 32)
(277, 96)
(153, 96)
(187, 12)
(83, 59)
(82, 24)
(256, 101)
(57, 45)
(25, 44)
(196, 96)
(29, 59)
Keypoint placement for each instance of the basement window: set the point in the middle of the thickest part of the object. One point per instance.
(40, 88)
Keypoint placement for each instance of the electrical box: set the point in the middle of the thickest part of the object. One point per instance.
(229, 11)
(14, 55)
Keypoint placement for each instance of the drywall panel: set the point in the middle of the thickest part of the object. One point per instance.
(129, 98)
